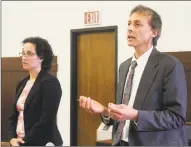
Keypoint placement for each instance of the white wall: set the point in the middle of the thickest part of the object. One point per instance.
(54, 20)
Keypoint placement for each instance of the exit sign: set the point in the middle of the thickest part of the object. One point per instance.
(92, 18)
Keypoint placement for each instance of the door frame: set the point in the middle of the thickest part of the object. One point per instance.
(73, 73)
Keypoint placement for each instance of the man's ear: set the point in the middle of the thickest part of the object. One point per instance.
(155, 33)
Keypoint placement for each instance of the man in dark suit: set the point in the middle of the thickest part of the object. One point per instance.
(151, 97)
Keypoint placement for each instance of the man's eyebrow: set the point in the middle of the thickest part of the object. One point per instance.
(134, 21)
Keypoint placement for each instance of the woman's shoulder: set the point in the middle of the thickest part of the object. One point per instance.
(48, 80)
(48, 77)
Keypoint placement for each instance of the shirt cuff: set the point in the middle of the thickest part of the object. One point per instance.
(106, 119)
(135, 122)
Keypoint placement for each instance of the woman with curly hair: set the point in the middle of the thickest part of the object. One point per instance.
(33, 121)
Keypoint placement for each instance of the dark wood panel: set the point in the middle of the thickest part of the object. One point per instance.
(183, 56)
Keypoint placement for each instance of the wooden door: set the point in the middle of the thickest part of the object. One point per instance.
(95, 78)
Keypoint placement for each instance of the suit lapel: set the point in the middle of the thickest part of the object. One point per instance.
(19, 91)
(123, 75)
(147, 79)
(34, 88)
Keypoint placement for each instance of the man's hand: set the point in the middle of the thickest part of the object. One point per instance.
(92, 106)
(122, 112)
(16, 141)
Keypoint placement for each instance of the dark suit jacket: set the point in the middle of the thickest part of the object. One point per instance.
(161, 101)
(40, 111)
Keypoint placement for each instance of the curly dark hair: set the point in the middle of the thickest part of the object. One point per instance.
(43, 50)
(155, 21)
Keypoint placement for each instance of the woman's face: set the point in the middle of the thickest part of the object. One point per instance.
(30, 59)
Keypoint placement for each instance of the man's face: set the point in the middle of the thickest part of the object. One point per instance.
(140, 33)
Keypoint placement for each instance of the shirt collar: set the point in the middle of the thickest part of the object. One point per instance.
(143, 57)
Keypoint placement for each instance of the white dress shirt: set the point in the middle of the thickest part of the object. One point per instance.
(141, 63)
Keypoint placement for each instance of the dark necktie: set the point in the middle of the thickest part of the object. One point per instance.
(126, 97)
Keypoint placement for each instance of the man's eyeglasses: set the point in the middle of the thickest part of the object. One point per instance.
(28, 54)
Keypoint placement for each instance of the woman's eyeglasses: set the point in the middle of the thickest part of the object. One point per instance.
(28, 54)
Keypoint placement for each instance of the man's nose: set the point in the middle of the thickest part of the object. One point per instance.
(130, 28)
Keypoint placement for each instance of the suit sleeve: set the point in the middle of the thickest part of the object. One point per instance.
(174, 102)
(51, 95)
